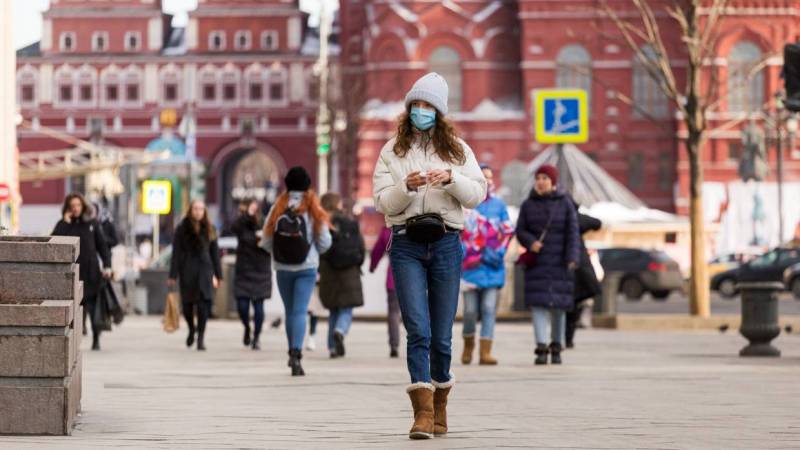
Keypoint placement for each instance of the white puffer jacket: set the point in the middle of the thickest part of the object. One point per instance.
(467, 188)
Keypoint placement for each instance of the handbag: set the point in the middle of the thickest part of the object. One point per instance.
(528, 259)
(171, 313)
(425, 228)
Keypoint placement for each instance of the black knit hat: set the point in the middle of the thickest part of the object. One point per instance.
(297, 179)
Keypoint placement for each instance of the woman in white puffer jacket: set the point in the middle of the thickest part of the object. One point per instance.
(423, 179)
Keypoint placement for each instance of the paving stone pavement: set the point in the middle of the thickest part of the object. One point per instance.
(617, 390)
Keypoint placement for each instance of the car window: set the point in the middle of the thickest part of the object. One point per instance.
(789, 254)
(765, 260)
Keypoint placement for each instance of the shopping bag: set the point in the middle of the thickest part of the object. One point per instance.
(171, 313)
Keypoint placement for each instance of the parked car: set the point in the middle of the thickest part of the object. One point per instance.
(730, 261)
(643, 271)
(768, 267)
(791, 278)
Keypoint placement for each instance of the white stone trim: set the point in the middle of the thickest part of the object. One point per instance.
(127, 41)
(96, 36)
(274, 37)
(248, 38)
(222, 39)
(62, 47)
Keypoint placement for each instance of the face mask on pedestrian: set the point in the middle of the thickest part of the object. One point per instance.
(423, 119)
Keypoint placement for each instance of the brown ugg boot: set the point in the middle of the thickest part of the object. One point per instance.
(440, 406)
(469, 347)
(421, 395)
(486, 353)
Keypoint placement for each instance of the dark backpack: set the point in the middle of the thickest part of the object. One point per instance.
(347, 248)
(290, 244)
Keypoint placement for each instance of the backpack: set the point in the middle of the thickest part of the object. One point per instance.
(290, 243)
(347, 248)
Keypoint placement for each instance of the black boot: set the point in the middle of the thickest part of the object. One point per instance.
(555, 352)
(295, 355)
(256, 345)
(96, 341)
(541, 354)
(200, 344)
(190, 338)
(338, 343)
(247, 336)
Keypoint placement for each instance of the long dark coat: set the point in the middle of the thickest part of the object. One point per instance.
(340, 288)
(586, 283)
(253, 278)
(549, 283)
(92, 244)
(195, 260)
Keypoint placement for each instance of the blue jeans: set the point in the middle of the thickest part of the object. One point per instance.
(258, 313)
(427, 279)
(549, 319)
(486, 299)
(296, 289)
(339, 319)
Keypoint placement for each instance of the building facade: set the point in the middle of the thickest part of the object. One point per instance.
(496, 53)
(110, 67)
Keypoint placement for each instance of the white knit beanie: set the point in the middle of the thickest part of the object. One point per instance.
(431, 88)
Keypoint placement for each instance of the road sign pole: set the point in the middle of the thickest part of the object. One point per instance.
(156, 230)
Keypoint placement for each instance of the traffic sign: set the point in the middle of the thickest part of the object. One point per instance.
(5, 192)
(156, 197)
(562, 116)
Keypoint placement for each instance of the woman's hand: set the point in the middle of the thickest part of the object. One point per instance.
(108, 274)
(215, 281)
(439, 176)
(414, 180)
(572, 265)
(67, 217)
(536, 247)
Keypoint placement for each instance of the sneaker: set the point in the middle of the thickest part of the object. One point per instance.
(311, 343)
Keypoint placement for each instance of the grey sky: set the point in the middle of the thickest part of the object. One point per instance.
(28, 15)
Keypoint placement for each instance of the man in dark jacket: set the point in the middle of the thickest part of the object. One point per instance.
(253, 279)
(78, 219)
(340, 273)
(548, 227)
(586, 284)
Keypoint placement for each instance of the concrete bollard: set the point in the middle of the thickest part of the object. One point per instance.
(760, 318)
(40, 334)
(606, 305)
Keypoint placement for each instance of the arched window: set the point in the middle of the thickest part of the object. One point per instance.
(132, 82)
(27, 79)
(110, 80)
(170, 85)
(447, 62)
(745, 87)
(648, 97)
(254, 79)
(86, 80)
(65, 86)
(278, 85)
(574, 69)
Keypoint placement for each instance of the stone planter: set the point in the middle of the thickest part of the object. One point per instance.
(760, 318)
(40, 334)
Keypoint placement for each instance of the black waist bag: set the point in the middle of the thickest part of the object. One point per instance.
(425, 228)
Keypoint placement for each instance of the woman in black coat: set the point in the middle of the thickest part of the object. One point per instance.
(253, 280)
(340, 287)
(78, 219)
(586, 284)
(548, 227)
(195, 263)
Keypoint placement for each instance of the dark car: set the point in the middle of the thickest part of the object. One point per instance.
(642, 271)
(791, 278)
(768, 267)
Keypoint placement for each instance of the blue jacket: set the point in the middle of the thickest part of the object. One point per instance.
(487, 230)
(549, 283)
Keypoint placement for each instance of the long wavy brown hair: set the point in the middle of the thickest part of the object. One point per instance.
(202, 227)
(444, 138)
(310, 204)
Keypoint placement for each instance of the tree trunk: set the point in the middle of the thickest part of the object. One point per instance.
(699, 301)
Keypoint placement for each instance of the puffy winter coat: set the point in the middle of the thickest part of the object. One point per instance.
(340, 288)
(92, 245)
(195, 261)
(253, 278)
(487, 230)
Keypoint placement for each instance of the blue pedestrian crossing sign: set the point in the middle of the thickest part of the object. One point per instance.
(562, 116)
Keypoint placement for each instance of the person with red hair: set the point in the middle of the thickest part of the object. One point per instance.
(296, 233)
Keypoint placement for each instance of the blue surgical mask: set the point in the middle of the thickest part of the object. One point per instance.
(423, 119)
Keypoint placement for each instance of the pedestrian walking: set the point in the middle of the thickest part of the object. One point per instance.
(586, 284)
(296, 233)
(195, 267)
(424, 177)
(253, 280)
(380, 248)
(340, 273)
(79, 219)
(548, 229)
(487, 233)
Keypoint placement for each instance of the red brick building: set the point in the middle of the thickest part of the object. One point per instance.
(495, 53)
(110, 67)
